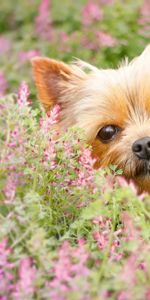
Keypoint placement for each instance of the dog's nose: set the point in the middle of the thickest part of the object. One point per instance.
(141, 148)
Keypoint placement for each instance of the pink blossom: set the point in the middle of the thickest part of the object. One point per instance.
(144, 19)
(130, 231)
(91, 12)
(105, 2)
(51, 119)
(4, 253)
(5, 269)
(122, 181)
(109, 184)
(69, 267)
(64, 39)
(14, 138)
(23, 95)
(104, 39)
(24, 288)
(145, 12)
(49, 160)
(86, 159)
(128, 273)
(3, 84)
(43, 21)
(85, 176)
(123, 295)
(5, 45)
(10, 187)
(147, 294)
(27, 55)
(101, 239)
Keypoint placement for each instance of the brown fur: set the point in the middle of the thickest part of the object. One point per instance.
(93, 98)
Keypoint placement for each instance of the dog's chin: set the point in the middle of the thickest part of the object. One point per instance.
(143, 169)
(141, 176)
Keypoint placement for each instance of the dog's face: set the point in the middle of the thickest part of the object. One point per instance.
(112, 106)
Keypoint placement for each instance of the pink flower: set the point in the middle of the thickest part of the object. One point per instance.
(147, 294)
(23, 95)
(10, 187)
(4, 253)
(86, 160)
(104, 39)
(91, 12)
(123, 295)
(27, 55)
(49, 160)
(24, 288)
(145, 12)
(144, 19)
(67, 270)
(5, 45)
(5, 270)
(128, 274)
(64, 39)
(51, 119)
(105, 2)
(130, 231)
(101, 239)
(3, 84)
(43, 22)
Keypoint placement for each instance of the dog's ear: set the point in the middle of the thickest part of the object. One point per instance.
(47, 74)
(53, 79)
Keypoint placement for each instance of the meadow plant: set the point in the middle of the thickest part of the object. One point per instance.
(67, 231)
(98, 31)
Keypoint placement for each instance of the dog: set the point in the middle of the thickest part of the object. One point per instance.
(112, 106)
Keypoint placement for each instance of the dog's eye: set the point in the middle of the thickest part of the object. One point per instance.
(107, 133)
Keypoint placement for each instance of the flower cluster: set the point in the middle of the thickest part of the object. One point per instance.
(43, 22)
(66, 229)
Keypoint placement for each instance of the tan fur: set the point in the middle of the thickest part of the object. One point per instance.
(93, 98)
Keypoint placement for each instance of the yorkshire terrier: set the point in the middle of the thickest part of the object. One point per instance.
(112, 106)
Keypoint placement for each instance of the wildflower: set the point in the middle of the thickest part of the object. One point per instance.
(86, 160)
(104, 39)
(5, 45)
(68, 269)
(49, 160)
(51, 119)
(4, 253)
(91, 12)
(129, 229)
(144, 19)
(27, 55)
(123, 295)
(128, 273)
(10, 187)
(64, 38)
(43, 23)
(3, 84)
(123, 183)
(147, 294)
(5, 270)
(23, 94)
(24, 288)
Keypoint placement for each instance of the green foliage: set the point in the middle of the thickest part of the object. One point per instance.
(49, 213)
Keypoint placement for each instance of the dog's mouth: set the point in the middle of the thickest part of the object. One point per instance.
(143, 169)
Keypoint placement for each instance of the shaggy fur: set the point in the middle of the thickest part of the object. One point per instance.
(93, 98)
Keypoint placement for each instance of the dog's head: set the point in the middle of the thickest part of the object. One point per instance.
(112, 106)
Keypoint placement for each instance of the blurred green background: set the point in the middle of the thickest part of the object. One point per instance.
(102, 32)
